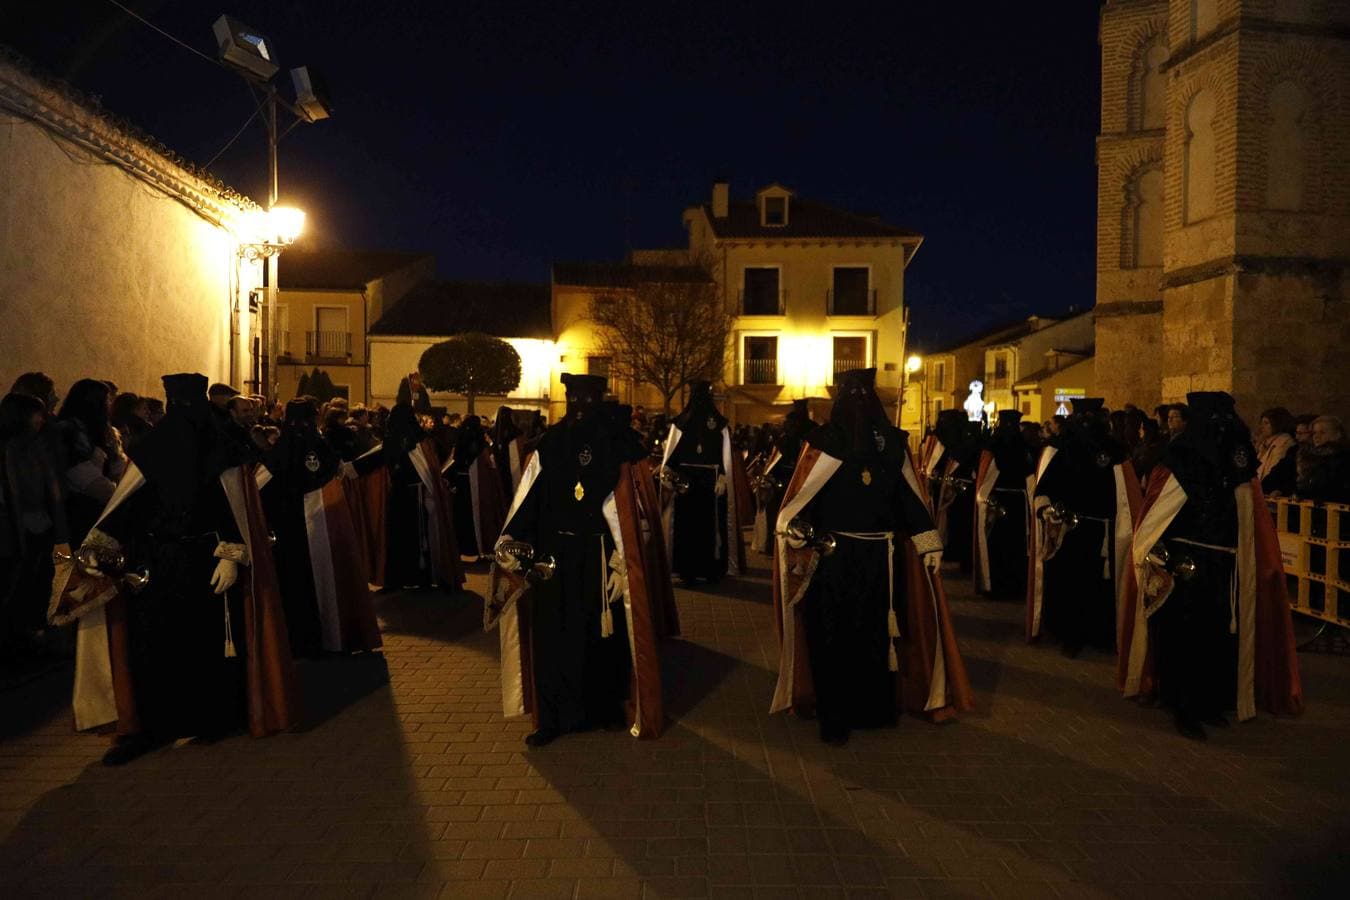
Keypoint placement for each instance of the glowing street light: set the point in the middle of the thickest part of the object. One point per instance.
(913, 364)
(253, 55)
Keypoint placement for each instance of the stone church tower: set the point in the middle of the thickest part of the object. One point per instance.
(1223, 211)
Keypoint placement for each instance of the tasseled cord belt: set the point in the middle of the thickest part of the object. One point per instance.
(613, 584)
(892, 624)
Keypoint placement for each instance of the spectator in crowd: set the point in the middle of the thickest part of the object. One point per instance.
(1160, 415)
(32, 523)
(264, 437)
(1149, 450)
(1303, 428)
(130, 416)
(1177, 415)
(1055, 426)
(40, 386)
(1276, 452)
(91, 458)
(359, 421)
(1324, 465)
(154, 410)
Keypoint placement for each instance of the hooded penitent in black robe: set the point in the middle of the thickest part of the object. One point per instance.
(778, 471)
(1002, 509)
(950, 457)
(178, 526)
(1079, 568)
(407, 547)
(506, 451)
(870, 505)
(300, 462)
(700, 533)
(580, 657)
(1194, 634)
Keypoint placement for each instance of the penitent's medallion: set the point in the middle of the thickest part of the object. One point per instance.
(866, 476)
(579, 492)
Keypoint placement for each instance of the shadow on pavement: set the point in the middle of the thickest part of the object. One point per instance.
(328, 686)
(433, 614)
(689, 673)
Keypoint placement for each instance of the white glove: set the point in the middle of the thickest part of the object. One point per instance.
(933, 561)
(349, 471)
(225, 575)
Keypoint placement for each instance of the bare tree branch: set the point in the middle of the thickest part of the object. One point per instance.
(666, 333)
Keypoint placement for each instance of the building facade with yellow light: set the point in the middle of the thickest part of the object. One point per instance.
(434, 311)
(811, 290)
(814, 291)
(327, 301)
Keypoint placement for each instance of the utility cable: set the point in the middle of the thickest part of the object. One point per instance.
(166, 34)
(230, 142)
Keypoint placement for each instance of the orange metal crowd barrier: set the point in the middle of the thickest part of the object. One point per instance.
(1315, 546)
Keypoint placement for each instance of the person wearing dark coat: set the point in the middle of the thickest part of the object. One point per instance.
(32, 522)
(1085, 497)
(300, 462)
(580, 664)
(179, 526)
(1003, 510)
(778, 468)
(407, 553)
(704, 538)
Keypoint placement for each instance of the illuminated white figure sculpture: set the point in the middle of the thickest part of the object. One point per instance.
(975, 402)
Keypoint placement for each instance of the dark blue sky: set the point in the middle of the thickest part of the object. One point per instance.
(504, 135)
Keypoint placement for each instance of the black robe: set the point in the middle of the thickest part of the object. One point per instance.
(1008, 533)
(1194, 634)
(580, 677)
(302, 461)
(407, 547)
(1079, 594)
(172, 526)
(469, 445)
(701, 543)
(848, 601)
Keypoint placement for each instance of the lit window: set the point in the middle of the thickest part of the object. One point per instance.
(761, 360)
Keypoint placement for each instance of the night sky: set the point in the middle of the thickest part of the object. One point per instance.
(505, 135)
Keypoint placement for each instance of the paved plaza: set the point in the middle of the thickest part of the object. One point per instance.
(406, 780)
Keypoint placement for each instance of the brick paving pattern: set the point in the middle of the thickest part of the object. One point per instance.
(407, 781)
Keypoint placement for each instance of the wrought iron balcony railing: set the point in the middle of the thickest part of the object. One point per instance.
(763, 303)
(328, 344)
(851, 303)
(761, 371)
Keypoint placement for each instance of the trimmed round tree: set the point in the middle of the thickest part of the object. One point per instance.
(471, 364)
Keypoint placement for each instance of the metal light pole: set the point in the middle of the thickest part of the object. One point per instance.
(250, 53)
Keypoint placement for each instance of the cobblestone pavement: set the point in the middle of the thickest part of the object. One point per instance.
(408, 781)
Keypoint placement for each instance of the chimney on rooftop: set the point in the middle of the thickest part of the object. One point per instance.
(721, 198)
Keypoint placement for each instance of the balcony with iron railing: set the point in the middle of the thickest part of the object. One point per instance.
(328, 345)
(843, 365)
(760, 371)
(851, 303)
(762, 302)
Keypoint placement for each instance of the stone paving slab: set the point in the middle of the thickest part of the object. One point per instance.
(407, 781)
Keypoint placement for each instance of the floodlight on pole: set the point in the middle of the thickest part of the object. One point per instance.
(253, 55)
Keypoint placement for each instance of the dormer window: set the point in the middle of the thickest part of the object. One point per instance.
(775, 211)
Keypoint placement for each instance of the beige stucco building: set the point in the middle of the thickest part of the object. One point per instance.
(326, 303)
(118, 261)
(814, 290)
(433, 311)
(1223, 228)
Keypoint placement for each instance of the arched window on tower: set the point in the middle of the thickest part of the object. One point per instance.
(1151, 87)
(1204, 16)
(1198, 169)
(1286, 147)
(1146, 219)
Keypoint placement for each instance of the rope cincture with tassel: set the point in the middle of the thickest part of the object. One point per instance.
(892, 624)
(611, 588)
(230, 652)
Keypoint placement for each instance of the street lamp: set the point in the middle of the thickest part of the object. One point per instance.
(913, 365)
(253, 55)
